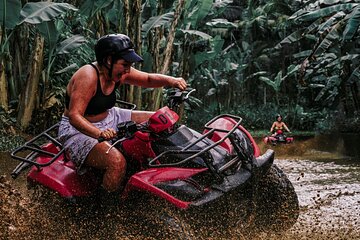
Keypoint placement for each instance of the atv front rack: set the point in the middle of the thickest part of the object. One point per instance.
(36, 150)
(155, 162)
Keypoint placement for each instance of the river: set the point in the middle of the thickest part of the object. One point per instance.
(327, 183)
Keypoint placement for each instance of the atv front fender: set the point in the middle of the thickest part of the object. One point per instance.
(263, 163)
(238, 180)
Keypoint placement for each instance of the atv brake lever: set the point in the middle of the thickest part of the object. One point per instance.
(127, 130)
(113, 145)
(187, 95)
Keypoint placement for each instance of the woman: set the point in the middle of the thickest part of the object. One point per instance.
(278, 125)
(90, 112)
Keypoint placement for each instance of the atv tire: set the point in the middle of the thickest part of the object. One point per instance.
(277, 205)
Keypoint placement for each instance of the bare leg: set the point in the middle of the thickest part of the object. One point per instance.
(113, 163)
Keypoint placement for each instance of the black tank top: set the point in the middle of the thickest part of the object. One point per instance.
(100, 102)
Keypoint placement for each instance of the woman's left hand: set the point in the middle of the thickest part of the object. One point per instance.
(179, 83)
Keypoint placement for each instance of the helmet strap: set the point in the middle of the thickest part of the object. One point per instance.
(111, 66)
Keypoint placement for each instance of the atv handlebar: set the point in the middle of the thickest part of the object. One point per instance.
(177, 97)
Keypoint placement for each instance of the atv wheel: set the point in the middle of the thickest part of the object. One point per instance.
(277, 205)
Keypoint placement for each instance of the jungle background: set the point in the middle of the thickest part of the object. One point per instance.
(249, 58)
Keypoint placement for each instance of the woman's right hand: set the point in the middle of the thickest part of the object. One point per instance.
(107, 134)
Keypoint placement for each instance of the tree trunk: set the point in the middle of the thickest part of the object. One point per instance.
(168, 51)
(21, 51)
(29, 94)
(129, 90)
(4, 98)
(137, 98)
(132, 11)
(4, 103)
(155, 49)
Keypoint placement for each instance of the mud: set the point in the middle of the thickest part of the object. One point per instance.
(327, 184)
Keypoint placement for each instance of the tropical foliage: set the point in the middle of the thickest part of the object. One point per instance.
(250, 58)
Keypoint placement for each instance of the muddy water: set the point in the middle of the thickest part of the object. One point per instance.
(329, 196)
(327, 184)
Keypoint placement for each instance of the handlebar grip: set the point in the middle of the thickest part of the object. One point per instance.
(101, 139)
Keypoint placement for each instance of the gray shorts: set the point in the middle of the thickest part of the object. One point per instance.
(78, 145)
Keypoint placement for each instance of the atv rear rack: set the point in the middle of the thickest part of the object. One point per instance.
(36, 150)
(155, 162)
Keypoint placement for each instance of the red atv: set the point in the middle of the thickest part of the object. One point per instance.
(278, 137)
(193, 171)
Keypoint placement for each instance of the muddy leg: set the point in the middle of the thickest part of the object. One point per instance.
(113, 163)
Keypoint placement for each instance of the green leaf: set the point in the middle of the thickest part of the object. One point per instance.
(261, 73)
(68, 68)
(197, 33)
(269, 82)
(349, 57)
(204, 9)
(325, 59)
(302, 54)
(211, 92)
(316, 85)
(332, 2)
(87, 8)
(331, 38)
(113, 16)
(314, 26)
(212, 79)
(221, 23)
(49, 32)
(278, 79)
(217, 44)
(10, 12)
(352, 24)
(324, 12)
(333, 81)
(330, 22)
(197, 12)
(354, 77)
(203, 56)
(91, 7)
(38, 12)
(297, 14)
(291, 70)
(294, 37)
(156, 21)
(69, 44)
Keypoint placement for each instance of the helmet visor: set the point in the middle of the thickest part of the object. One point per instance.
(130, 55)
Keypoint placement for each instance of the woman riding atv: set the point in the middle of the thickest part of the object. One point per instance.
(278, 125)
(90, 113)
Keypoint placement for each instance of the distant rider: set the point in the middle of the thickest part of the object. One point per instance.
(278, 125)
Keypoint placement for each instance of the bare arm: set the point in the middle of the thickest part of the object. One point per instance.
(272, 127)
(286, 128)
(153, 80)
